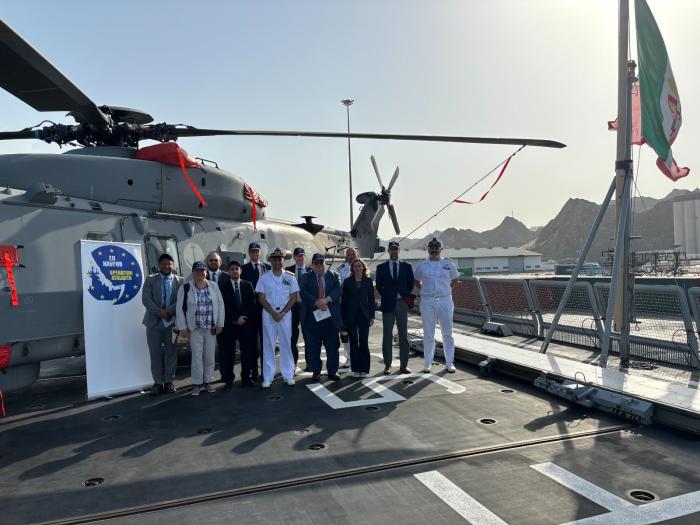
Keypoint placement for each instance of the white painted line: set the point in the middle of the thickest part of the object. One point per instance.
(328, 397)
(461, 502)
(452, 388)
(648, 513)
(587, 489)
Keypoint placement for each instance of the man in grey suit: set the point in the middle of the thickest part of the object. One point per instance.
(159, 296)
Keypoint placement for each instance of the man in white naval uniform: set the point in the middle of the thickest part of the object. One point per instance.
(277, 293)
(435, 277)
(343, 273)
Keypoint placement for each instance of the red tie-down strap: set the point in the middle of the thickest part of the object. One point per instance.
(503, 169)
(181, 158)
(255, 198)
(2, 405)
(7, 260)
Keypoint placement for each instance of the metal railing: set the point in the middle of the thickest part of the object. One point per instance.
(579, 323)
(469, 301)
(663, 326)
(509, 302)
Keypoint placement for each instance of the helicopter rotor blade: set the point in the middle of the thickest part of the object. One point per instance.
(14, 135)
(30, 77)
(197, 132)
(376, 171)
(394, 219)
(393, 179)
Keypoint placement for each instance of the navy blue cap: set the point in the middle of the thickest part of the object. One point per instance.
(199, 265)
(393, 244)
(317, 257)
(299, 251)
(435, 241)
(253, 246)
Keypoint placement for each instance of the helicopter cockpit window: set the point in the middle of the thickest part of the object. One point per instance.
(156, 246)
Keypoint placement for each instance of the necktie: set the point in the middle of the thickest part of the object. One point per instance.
(163, 284)
(393, 270)
(237, 291)
(257, 267)
(321, 287)
(298, 273)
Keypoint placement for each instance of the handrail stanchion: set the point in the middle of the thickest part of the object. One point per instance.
(577, 268)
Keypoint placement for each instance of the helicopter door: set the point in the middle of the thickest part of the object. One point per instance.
(157, 245)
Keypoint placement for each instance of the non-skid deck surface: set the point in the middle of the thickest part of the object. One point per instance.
(254, 448)
(650, 389)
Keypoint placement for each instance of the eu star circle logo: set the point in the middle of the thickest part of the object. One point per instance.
(115, 275)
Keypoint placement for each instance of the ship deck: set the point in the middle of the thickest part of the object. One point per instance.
(451, 448)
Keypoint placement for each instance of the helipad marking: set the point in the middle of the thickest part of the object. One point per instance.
(461, 502)
(387, 395)
(648, 513)
(623, 512)
(452, 388)
(587, 489)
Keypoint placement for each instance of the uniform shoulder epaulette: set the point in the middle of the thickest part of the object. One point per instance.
(288, 272)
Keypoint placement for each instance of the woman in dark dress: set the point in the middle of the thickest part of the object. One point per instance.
(358, 305)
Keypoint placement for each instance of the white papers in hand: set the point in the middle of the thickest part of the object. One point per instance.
(320, 315)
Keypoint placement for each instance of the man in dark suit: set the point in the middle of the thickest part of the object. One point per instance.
(298, 269)
(214, 267)
(159, 296)
(239, 305)
(320, 294)
(251, 272)
(395, 285)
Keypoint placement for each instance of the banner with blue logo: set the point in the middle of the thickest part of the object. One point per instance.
(116, 352)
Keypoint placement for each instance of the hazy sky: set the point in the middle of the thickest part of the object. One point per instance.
(528, 68)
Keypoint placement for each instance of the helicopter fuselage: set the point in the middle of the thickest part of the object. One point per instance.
(49, 203)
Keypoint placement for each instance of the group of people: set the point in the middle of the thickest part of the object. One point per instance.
(263, 308)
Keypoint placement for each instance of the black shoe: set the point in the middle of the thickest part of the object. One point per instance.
(308, 369)
(316, 376)
(155, 390)
(228, 385)
(334, 377)
(248, 383)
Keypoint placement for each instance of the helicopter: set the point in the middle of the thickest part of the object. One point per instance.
(110, 189)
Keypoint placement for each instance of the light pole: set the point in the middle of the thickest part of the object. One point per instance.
(347, 103)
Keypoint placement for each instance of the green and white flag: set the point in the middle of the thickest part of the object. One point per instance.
(661, 105)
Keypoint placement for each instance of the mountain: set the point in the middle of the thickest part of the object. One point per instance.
(562, 238)
(511, 232)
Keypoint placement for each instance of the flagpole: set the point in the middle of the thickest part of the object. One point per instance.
(623, 170)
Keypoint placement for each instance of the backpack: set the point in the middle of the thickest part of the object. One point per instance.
(184, 301)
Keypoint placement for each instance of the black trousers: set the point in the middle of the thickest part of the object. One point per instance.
(295, 331)
(231, 335)
(358, 332)
(322, 333)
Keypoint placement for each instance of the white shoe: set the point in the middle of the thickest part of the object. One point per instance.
(195, 391)
(356, 374)
(450, 368)
(364, 374)
(426, 369)
(346, 364)
(266, 384)
(290, 382)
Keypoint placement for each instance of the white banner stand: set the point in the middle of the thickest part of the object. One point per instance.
(116, 352)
